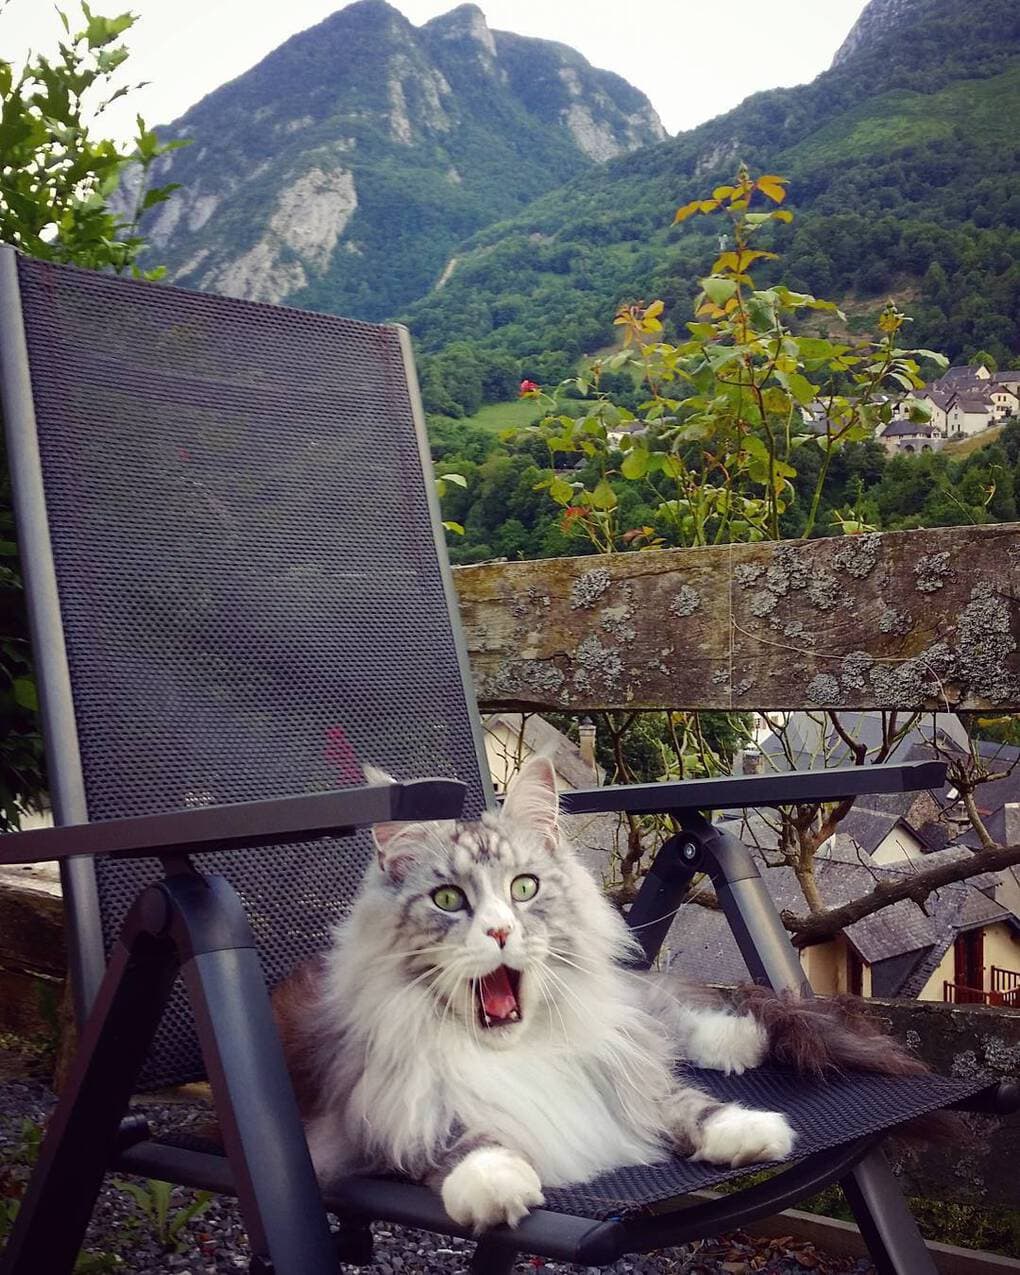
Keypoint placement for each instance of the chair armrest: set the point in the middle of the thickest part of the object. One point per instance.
(245, 823)
(736, 791)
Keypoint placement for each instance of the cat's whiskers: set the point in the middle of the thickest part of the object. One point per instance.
(612, 1051)
(543, 985)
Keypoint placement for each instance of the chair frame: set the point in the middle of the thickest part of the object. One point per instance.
(194, 925)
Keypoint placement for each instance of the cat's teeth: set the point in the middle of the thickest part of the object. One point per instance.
(514, 1016)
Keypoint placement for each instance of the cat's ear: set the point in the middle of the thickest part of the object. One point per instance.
(531, 802)
(394, 842)
(395, 847)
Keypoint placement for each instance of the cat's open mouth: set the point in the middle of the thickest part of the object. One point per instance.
(497, 994)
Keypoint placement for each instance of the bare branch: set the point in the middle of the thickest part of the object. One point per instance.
(821, 926)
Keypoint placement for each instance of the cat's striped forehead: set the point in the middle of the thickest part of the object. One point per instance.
(483, 843)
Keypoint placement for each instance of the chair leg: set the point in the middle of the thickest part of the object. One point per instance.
(885, 1220)
(257, 1113)
(195, 925)
(491, 1258)
(81, 1136)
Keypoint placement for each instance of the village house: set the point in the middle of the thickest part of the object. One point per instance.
(909, 436)
(969, 414)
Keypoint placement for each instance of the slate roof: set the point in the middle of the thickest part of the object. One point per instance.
(955, 377)
(972, 403)
(941, 398)
(702, 948)
(897, 429)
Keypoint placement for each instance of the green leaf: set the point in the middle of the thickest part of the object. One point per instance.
(799, 386)
(603, 497)
(23, 689)
(458, 480)
(561, 491)
(635, 463)
(718, 290)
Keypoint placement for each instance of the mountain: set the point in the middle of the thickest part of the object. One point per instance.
(902, 160)
(341, 171)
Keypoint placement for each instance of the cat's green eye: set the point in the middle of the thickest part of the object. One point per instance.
(449, 899)
(523, 888)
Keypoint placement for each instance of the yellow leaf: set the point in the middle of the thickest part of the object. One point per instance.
(772, 187)
(687, 210)
(728, 261)
(654, 309)
(708, 205)
(747, 256)
(782, 214)
(723, 192)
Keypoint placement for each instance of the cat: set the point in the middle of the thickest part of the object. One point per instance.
(474, 1025)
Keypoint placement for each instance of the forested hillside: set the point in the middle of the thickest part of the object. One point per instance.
(901, 160)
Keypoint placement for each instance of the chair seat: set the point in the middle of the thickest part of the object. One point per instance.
(826, 1114)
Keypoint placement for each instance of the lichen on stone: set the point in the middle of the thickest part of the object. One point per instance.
(824, 591)
(764, 603)
(596, 665)
(1002, 1057)
(518, 676)
(893, 621)
(931, 571)
(588, 588)
(984, 642)
(686, 601)
(746, 574)
(858, 555)
(853, 669)
(823, 689)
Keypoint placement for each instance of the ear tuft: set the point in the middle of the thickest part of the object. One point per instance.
(395, 847)
(531, 802)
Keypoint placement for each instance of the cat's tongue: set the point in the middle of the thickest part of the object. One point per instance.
(496, 993)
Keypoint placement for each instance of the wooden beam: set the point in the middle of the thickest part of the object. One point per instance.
(912, 619)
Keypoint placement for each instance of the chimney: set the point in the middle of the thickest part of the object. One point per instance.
(1011, 816)
(586, 744)
(751, 762)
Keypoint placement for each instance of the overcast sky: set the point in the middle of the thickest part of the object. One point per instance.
(693, 58)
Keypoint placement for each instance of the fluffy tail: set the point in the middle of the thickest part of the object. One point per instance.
(817, 1037)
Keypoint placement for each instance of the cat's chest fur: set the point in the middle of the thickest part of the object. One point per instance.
(566, 1111)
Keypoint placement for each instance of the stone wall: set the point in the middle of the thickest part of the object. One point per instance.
(911, 619)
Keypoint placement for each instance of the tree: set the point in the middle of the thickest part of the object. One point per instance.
(57, 182)
(983, 359)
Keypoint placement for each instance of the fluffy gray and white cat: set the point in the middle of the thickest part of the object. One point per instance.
(474, 1026)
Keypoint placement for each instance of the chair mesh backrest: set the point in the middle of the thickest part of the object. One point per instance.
(251, 590)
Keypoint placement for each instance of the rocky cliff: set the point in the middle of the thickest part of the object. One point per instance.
(340, 172)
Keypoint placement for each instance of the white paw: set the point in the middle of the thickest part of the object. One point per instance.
(736, 1136)
(727, 1043)
(491, 1186)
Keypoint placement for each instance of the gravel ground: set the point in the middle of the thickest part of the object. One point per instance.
(123, 1239)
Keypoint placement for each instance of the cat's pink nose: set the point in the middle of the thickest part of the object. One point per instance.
(499, 935)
